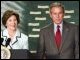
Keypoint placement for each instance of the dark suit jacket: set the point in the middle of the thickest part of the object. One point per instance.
(69, 48)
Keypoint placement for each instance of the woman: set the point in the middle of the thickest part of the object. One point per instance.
(18, 40)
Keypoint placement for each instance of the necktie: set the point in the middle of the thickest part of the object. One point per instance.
(58, 37)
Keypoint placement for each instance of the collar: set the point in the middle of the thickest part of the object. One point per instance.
(58, 24)
(5, 34)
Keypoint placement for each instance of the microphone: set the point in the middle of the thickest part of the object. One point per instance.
(2, 40)
(8, 41)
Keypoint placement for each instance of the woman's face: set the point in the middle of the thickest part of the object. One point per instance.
(12, 23)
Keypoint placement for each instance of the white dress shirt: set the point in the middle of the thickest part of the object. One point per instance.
(55, 27)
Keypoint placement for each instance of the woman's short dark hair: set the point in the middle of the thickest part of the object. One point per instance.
(7, 14)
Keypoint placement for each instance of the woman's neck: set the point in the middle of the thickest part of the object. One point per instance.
(11, 33)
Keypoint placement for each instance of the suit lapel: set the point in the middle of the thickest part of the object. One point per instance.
(65, 32)
(52, 37)
(17, 35)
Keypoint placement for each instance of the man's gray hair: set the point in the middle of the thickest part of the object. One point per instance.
(57, 4)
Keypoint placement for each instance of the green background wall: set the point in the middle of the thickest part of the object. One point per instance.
(29, 11)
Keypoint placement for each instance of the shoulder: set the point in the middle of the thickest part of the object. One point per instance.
(20, 34)
(4, 32)
(24, 36)
(46, 27)
(70, 25)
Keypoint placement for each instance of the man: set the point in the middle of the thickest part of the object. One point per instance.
(58, 40)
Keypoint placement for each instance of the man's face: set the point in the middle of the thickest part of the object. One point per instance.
(57, 14)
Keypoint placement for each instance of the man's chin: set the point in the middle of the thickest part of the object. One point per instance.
(57, 22)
